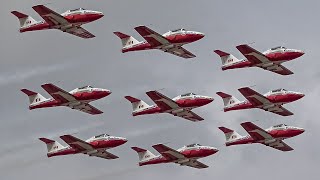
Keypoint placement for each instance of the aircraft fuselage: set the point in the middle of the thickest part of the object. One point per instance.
(176, 39)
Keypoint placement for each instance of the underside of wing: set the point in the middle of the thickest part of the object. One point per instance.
(162, 101)
(256, 132)
(168, 152)
(189, 115)
(280, 145)
(253, 97)
(179, 51)
(104, 154)
(280, 111)
(194, 164)
(277, 68)
(153, 38)
(58, 93)
(87, 108)
(254, 56)
(51, 17)
(80, 32)
(76, 143)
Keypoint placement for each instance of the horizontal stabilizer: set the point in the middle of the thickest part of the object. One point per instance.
(223, 95)
(137, 149)
(19, 14)
(221, 53)
(47, 141)
(28, 92)
(225, 130)
(132, 99)
(121, 35)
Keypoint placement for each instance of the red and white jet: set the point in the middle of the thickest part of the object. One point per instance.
(170, 42)
(179, 106)
(95, 146)
(185, 156)
(78, 98)
(271, 137)
(269, 60)
(69, 21)
(271, 101)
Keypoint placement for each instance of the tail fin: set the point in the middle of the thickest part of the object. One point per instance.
(226, 58)
(143, 154)
(230, 134)
(126, 39)
(33, 96)
(137, 104)
(24, 19)
(228, 100)
(52, 146)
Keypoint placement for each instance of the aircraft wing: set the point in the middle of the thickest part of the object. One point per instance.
(51, 17)
(162, 101)
(87, 108)
(280, 145)
(195, 164)
(252, 55)
(189, 115)
(153, 38)
(168, 152)
(58, 93)
(277, 68)
(80, 32)
(104, 154)
(179, 51)
(280, 111)
(253, 97)
(256, 132)
(76, 143)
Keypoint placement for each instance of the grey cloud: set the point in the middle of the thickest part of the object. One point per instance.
(31, 59)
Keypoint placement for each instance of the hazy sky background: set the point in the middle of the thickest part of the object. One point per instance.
(34, 58)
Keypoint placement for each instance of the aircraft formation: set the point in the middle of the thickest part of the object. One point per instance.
(180, 106)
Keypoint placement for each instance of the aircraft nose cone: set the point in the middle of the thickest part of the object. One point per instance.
(212, 150)
(98, 15)
(106, 92)
(207, 99)
(301, 52)
(200, 35)
(123, 140)
(301, 95)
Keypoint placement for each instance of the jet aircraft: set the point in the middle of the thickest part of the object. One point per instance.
(272, 137)
(185, 156)
(69, 21)
(179, 106)
(78, 98)
(95, 146)
(270, 60)
(271, 101)
(170, 42)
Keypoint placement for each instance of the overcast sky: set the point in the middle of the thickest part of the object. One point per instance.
(34, 58)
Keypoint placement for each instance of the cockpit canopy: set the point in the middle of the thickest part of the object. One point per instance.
(279, 126)
(277, 48)
(85, 87)
(193, 145)
(177, 30)
(278, 90)
(101, 135)
(188, 94)
(78, 9)
(184, 95)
